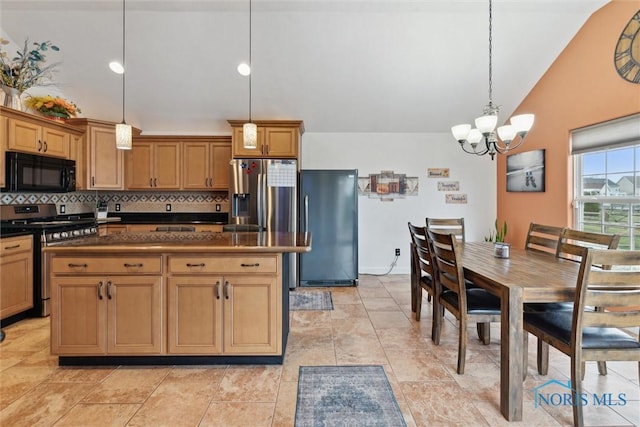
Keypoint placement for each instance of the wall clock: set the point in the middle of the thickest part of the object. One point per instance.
(627, 53)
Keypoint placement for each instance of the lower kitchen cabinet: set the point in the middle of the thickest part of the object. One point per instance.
(102, 315)
(16, 275)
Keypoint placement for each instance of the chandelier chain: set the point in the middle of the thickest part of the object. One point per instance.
(123, 57)
(250, 63)
(490, 55)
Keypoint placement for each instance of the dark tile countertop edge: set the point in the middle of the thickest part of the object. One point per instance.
(162, 217)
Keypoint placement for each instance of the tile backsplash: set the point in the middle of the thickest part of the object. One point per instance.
(130, 201)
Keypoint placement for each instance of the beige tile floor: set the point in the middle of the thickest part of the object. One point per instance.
(371, 324)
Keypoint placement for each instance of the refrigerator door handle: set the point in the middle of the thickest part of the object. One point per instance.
(306, 213)
(260, 201)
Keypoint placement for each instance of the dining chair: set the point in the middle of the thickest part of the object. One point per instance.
(468, 305)
(447, 226)
(585, 334)
(571, 246)
(423, 273)
(543, 238)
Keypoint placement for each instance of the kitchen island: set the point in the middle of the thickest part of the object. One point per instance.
(171, 297)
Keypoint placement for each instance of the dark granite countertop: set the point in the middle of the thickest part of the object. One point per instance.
(171, 217)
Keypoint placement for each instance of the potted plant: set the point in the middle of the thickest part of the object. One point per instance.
(24, 70)
(500, 248)
(53, 107)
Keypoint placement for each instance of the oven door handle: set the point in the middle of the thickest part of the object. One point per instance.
(100, 290)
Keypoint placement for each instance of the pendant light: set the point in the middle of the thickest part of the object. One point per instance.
(123, 130)
(486, 124)
(250, 130)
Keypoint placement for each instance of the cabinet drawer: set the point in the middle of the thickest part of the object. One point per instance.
(13, 245)
(223, 264)
(107, 265)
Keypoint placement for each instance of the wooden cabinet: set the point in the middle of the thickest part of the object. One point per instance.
(76, 152)
(104, 163)
(120, 302)
(276, 139)
(206, 163)
(224, 305)
(153, 163)
(38, 138)
(16, 275)
(3, 149)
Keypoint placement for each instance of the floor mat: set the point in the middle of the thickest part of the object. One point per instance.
(310, 300)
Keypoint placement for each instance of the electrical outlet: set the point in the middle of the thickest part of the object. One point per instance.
(63, 209)
(168, 207)
(217, 207)
(117, 207)
(397, 251)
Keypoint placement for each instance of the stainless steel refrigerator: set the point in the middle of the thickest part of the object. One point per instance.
(264, 192)
(329, 210)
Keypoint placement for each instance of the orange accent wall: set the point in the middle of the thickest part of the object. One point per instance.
(581, 88)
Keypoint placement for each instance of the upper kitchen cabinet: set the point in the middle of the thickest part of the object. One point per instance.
(104, 162)
(153, 163)
(279, 139)
(37, 135)
(206, 162)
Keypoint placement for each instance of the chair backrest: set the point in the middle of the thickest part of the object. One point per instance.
(543, 238)
(420, 246)
(453, 226)
(617, 289)
(448, 268)
(572, 242)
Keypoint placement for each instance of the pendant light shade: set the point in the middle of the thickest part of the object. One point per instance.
(123, 136)
(250, 135)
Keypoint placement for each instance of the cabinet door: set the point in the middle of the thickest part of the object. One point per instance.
(139, 162)
(4, 134)
(16, 283)
(78, 316)
(252, 315)
(167, 164)
(195, 315)
(105, 160)
(220, 157)
(76, 153)
(134, 315)
(281, 142)
(55, 142)
(195, 170)
(25, 136)
(240, 152)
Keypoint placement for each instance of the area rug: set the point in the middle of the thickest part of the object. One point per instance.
(346, 396)
(310, 300)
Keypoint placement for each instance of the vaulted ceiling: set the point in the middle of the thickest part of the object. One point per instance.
(339, 65)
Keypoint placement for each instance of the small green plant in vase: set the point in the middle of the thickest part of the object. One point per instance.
(498, 234)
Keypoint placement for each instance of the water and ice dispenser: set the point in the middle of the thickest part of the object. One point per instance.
(240, 205)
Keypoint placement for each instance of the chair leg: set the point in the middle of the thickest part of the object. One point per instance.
(413, 283)
(438, 317)
(576, 390)
(484, 332)
(543, 357)
(418, 302)
(602, 368)
(462, 344)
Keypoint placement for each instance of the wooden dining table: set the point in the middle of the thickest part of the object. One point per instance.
(526, 276)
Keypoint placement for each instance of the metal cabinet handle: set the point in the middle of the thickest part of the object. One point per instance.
(39, 145)
(139, 265)
(100, 290)
(155, 182)
(226, 289)
(150, 182)
(109, 289)
(12, 247)
(45, 146)
(93, 181)
(195, 265)
(218, 289)
(257, 264)
(78, 265)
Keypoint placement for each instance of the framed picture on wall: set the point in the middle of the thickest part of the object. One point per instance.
(525, 171)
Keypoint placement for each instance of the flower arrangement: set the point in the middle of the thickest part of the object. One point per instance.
(27, 68)
(53, 106)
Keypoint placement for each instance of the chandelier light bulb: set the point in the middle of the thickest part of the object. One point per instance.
(474, 137)
(250, 135)
(487, 123)
(507, 133)
(522, 122)
(460, 132)
(123, 136)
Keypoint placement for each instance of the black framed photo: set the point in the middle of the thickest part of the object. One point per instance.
(525, 172)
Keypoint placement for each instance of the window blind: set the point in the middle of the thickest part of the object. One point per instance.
(616, 133)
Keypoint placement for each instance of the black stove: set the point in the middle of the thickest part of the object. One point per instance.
(48, 228)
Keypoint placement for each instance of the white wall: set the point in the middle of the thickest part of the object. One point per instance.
(383, 225)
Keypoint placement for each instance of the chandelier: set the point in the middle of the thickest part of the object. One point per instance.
(123, 130)
(250, 130)
(486, 124)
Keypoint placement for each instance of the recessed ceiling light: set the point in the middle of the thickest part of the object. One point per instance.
(116, 67)
(244, 69)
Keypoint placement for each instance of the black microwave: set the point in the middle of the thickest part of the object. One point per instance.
(33, 173)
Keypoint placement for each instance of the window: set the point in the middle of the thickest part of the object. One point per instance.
(607, 193)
